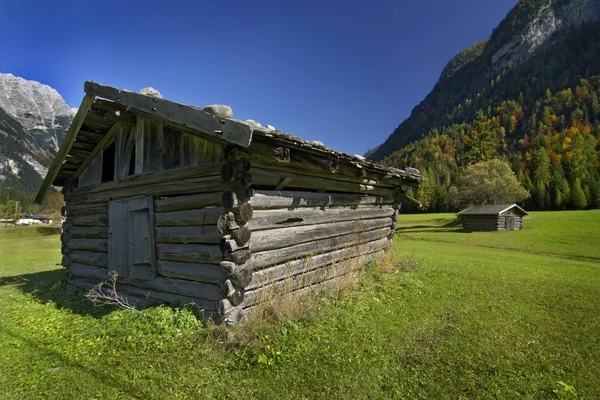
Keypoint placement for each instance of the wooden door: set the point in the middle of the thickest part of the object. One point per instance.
(509, 222)
(131, 248)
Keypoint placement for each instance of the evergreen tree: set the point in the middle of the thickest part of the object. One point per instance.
(578, 196)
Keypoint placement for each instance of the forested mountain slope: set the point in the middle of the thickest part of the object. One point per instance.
(529, 95)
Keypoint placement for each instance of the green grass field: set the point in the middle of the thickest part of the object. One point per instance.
(465, 315)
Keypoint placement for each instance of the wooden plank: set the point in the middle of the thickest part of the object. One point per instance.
(87, 209)
(118, 237)
(167, 188)
(140, 137)
(172, 156)
(89, 220)
(202, 290)
(106, 140)
(93, 174)
(100, 245)
(208, 234)
(273, 219)
(209, 273)
(193, 118)
(65, 146)
(153, 136)
(190, 202)
(311, 278)
(309, 263)
(269, 199)
(205, 216)
(194, 253)
(155, 177)
(272, 178)
(144, 297)
(92, 232)
(89, 258)
(142, 254)
(287, 237)
(272, 257)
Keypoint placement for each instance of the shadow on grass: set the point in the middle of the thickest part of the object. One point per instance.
(49, 230)
(432, 230)
(52, 287)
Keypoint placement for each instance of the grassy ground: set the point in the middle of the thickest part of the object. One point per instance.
(478, 315)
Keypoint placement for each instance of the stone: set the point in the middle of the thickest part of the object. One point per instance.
(151, 92)
(219, 109)
(253, 123)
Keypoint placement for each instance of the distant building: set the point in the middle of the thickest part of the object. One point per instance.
(506, 217)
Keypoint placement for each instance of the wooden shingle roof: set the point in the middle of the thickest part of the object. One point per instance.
(492, 210)
(104, 110)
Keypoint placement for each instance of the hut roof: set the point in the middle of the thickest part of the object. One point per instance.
(492, 210)
(105, 110)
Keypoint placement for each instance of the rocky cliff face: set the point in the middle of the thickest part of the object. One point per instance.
(553, 19)
(38, 108)
(33, 121)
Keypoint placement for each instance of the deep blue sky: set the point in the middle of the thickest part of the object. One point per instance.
(346, 72)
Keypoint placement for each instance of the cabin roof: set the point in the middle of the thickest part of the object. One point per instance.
(105, 110)
(492, 210)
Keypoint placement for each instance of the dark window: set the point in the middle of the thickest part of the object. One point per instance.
(108, 164)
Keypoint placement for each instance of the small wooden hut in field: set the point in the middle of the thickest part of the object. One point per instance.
(190, 205)
(493, 218)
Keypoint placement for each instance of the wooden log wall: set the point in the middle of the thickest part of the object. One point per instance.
(239, 229)
(277, 241)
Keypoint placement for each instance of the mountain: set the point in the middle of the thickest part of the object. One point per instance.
(33, 121)
(531, 88)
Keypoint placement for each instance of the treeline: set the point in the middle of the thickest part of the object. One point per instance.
(552, 143)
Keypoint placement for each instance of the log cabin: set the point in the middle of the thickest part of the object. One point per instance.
(506, 217)
(189, 205)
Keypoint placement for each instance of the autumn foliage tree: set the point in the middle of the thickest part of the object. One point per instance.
(487, 182)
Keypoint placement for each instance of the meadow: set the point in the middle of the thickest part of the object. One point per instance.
(459, 315)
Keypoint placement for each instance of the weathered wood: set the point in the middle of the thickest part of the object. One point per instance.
(193, 118)
(209, 273)
(190, 202)
(239, 275)
(272, 257)
(153, 146)
(86, 209)
(241, 235)
(233, 294)
(165, 188)
(239, 256)
(92, 232)
(268, 199)
(272, 219)
(207, 308)
(66, 261)
(204, 216)
(195, 253)
(228, 173)
(309, 262)
(100, 245)
(104, 142)
(93, 174)
(205, 171)
(272, 178)
(231, 315)
(243, 213)
(229, 199)
(286, 237)
(200, 290)
(208, 234)
(140, 136)
(131, 238)
(65, 146)
(89, 258)
(90, 220)
(314, 277)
